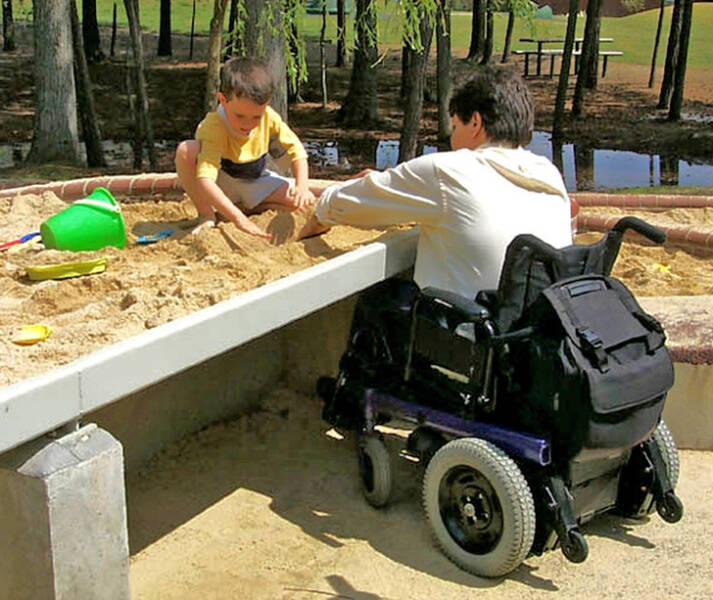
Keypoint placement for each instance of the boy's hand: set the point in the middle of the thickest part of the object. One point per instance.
(246, 225)
(301, 196)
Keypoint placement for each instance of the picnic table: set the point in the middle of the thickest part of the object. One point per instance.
(554, 52)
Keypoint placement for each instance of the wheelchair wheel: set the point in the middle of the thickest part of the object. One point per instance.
(375, 471)
(479, 507)
(663, 438)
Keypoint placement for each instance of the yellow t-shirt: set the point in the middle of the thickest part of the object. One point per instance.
(219, 142)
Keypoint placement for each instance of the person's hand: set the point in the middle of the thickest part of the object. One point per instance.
(246, 225)
(311, 228)
(301, 196)
(362, 173)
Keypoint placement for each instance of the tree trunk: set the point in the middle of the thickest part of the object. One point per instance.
(341, 34)
(406, 60)
(558, 116)
(164, 30)
(656, 44)
(212, 77)
(477, 34)
(671, 55)
(488, 41)
(142, 100)
(414, 100)
(443, 68)
(296, 77)
(265, 39)
(508, 35)
(113, 32)
(360, 105)
(589, 59)
(232, 49)
(85, 97)
(55, 137)
(90, 32)
(674, 113)
(322, 62)
(193, 31)
(8, 27)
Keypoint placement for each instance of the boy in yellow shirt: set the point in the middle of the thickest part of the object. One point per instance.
(223, 168)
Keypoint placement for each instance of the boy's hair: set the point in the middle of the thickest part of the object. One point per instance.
(247, 78)
(503, 100)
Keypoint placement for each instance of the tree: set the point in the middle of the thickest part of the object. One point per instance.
(193, 30)
(85, 97)
(417, 78)
(563, 82)
(164, 29)
(341, 34)
(265, 38)
(656, 43)
(322, 62)
(113, 31)
(488, 40)
(589, 59)
(508, 34)
(212, 80)
(8, 27)
(360, 105)
(90, 32)
(674, 113)
(443, 68)
(477, 35)
(135, 75)
(234, 27)
(55, 137)
(671, 55)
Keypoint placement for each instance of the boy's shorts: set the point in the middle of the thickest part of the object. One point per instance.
(248, 193)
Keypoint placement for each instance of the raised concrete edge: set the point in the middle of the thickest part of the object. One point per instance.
(37, 405)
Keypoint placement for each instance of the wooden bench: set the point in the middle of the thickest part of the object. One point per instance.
(603, 54)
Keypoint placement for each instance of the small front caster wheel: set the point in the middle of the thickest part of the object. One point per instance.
(575, 547)
(670, 508)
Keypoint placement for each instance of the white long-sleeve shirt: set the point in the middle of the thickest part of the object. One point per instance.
(469, 204)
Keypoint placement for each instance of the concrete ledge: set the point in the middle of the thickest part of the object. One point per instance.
(129, 366)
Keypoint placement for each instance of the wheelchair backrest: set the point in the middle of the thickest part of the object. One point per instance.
(531, 265)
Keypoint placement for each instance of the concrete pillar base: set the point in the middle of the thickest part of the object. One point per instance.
(63, 531)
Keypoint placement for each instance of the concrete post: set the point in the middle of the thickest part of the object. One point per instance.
(63, 530)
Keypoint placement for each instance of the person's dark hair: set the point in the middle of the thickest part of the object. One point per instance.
(503, 100)
(247, 78)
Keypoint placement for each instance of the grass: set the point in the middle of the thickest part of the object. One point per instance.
(633, 34)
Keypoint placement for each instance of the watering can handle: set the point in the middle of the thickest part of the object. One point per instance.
(98, 204)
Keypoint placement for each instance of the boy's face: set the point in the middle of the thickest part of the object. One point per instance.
(243, 114)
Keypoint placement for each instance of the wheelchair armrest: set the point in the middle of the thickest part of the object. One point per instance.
(469, 309)
(488, 299)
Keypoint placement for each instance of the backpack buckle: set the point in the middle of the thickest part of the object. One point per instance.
(594, 347)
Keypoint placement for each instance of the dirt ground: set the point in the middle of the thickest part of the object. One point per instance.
(270, 507)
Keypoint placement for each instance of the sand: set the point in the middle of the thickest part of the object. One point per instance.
(269, 507)
(145, 286)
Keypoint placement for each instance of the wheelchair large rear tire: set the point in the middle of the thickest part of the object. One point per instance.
(375, 471)
(479, 507)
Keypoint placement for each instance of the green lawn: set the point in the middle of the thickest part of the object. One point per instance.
(633, 35)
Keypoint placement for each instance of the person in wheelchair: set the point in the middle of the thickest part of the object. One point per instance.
(471, 202)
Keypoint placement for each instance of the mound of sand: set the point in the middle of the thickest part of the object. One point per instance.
(145, 286)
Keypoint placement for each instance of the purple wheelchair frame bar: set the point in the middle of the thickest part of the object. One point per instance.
(521, 445)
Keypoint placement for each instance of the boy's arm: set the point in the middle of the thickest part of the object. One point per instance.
(300, 193)
(220, 202)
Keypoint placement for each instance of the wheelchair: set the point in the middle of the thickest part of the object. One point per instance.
(533, 408)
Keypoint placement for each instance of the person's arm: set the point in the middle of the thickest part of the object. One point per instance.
(407, 193)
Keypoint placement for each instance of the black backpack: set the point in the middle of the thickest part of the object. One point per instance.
(595, 371)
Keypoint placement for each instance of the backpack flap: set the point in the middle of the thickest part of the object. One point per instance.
(618, 349)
